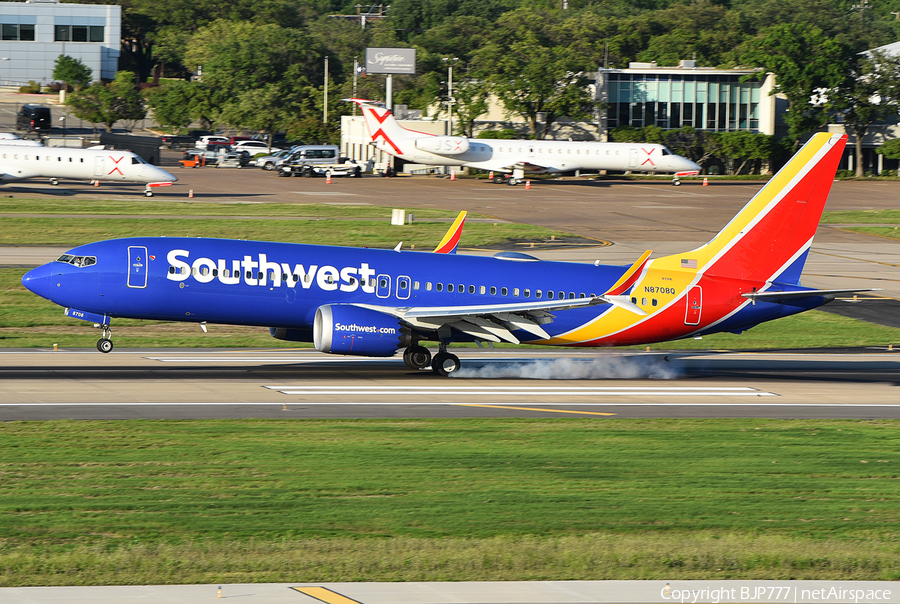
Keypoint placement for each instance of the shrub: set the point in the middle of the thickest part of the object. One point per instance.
(32, 88)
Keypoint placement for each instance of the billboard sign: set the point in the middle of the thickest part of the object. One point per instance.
(391, 60)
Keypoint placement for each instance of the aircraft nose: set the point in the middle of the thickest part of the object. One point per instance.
(39, 281)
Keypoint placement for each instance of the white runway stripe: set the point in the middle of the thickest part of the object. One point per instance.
(518, 391)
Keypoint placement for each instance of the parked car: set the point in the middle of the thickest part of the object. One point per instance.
(33, 118)
(270, 162)
(253, 147)
(206, 140)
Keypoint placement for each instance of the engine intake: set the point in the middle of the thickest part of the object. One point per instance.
(345, 329)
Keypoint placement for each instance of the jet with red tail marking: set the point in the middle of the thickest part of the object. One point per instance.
(371, 302)
(516, 158)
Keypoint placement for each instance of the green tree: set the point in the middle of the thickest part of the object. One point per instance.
(269, 109)
(171, 103)
(890, 149)
(869, 93)
(744, 146)
(72, 71)
(804, 61)
(108, 103)
(531, 75)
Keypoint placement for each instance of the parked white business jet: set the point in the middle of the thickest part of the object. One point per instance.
(8, 138)
(516, 157)
(19, 162)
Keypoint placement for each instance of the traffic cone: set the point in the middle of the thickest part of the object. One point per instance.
(705, 181)
(491, 175)
(328, 178)
(527, 184)
(191, 193)
(452, 174)
(96, 183)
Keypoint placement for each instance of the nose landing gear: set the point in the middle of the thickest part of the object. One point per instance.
(105, 344)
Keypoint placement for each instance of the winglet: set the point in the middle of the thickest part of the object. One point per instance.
(451, 238)
(630, 276)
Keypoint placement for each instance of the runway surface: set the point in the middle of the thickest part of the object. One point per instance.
(197, 384)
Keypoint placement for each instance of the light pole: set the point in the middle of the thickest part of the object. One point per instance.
(450, 100)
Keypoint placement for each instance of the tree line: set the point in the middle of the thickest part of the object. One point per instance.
(262, 62)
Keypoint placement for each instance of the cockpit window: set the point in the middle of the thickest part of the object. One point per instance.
(77, 260)
(666, 151)
(137, 160)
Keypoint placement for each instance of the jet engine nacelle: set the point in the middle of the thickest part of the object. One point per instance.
(345, 329)
(443, 145)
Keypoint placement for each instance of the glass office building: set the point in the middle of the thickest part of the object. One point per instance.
(673, 97)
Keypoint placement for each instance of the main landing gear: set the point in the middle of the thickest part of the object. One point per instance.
(105, 344)
(443, 363)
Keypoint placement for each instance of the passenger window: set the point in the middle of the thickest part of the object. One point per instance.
(416, 285)
(471, 289)
(440, 286)
(259, 275)
(538, 294)
(171, 270)
(527, 293)
(481, 290)
(549, 294)
(493, 291)
(653, 302)
(428, 286)
(562, 295)
(581, 295)
(296, 278)
(284, 277)
(643, 301)
(503, 291)
(516, 292)
(633, 300)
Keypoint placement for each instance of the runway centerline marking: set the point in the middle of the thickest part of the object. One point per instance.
(533, 409)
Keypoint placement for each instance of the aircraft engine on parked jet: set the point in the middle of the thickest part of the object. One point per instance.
(346, 329)
(443, 145)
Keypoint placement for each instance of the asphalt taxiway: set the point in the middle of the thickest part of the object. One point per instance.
(201, 384)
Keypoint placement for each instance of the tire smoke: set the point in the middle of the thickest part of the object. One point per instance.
(603, 368)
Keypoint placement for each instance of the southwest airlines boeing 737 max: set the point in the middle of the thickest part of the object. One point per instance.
(518, 157)
(369, 302)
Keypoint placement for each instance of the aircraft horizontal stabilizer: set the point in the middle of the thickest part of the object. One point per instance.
(804, 293)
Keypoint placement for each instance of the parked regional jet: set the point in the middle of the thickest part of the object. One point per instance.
(369, 302)
(516, 157)
(19, 162)
(8, 138)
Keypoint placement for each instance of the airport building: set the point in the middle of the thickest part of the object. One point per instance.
(706, 98)
(34, 34)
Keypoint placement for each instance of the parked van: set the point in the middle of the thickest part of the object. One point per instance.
(33, 118)
(313, 154)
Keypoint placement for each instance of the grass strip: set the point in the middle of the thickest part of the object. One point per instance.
(447, 499)
(358, 233)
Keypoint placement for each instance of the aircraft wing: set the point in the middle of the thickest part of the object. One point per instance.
(496, 322)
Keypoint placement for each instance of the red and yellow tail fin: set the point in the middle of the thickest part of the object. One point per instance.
(451, 238)
(768, 240)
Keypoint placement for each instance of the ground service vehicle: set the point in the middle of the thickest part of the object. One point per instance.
(33, 118)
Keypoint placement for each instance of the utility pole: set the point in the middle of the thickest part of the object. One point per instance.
(862, 8)
(325, 107)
